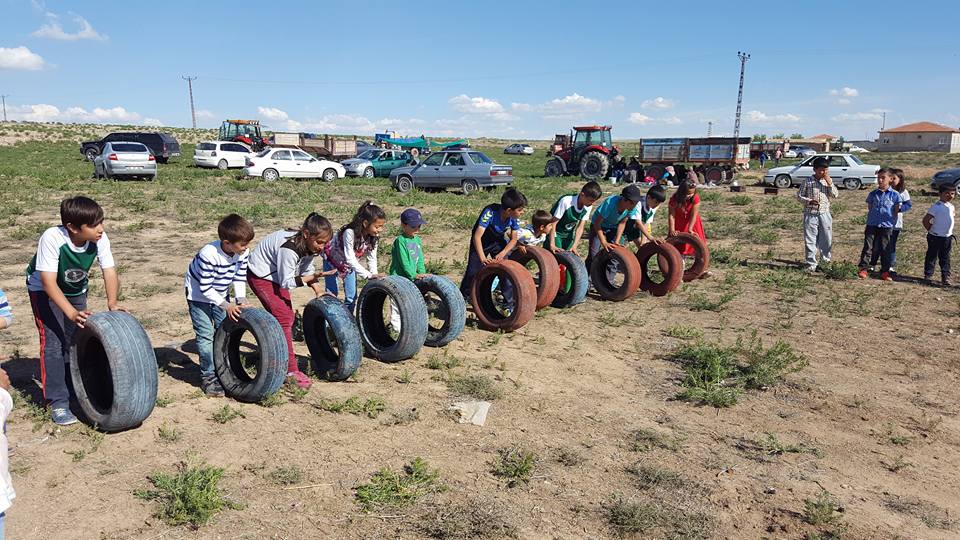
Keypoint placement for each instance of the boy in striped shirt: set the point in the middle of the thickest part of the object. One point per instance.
(215, 267)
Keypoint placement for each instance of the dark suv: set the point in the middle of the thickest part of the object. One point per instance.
(162, 145)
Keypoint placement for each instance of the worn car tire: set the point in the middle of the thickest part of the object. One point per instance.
(469, 186)
(91, 153)
(553, 167)
(270, 175)
(782, 181)
(574, 280)
(404, 184)
(701, 255)
(853, 184)
(629, 266)
(375, 331)
(594, 166)
(450, 308)
(525, 296)
(369, 172)
(671, 266)
(329, 175)
(114, 371)
(271, 362)
(332, 337)
(222, 165)
(549, 271)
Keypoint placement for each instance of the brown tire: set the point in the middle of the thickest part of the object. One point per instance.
(525, 296)
(671, 266)
(549, 271)
(629, 266)
(701, 255)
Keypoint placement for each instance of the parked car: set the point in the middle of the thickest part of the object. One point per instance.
(272, 164)
(221, 154)
(846, 170)
(163, 145)
(854, 149)
(363, 146)
(797, 151)
(523, 149)
(467, 169)
(950, 177)
(376, 162)
(122, 158)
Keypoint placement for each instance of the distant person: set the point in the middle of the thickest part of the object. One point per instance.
(883, 206)
(939, 223)
(634, 170)
(815, 194)
(763, 159)
(777, 156)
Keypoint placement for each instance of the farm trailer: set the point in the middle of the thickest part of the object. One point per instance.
(718, 158)
(324, 146)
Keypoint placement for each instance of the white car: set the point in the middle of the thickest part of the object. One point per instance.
(523, 149)
(221, 154)
(858, 150)
(272, 164)
(846, 170)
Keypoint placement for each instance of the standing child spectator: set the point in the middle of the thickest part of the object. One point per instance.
(487, 241)
(570, 216)
(777, 156)
(763, 159)
(939, 223)
(685, 214)
(6, 314)
(815, 194)
(7, 494)
(216, 267)
(407, 257)
(883, 205)
(282, 261)
(355, 240)
(610, 220)
(57, 279)
(639, 230)
(897, 183)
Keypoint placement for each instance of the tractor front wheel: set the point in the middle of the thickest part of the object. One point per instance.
(593, 166)
(553, 168)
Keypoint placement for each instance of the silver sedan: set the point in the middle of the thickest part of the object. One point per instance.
(131, 159)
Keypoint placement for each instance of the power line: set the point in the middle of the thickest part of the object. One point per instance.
(743, 64)
(193, 110)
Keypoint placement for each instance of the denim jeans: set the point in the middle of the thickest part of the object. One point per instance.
(349, 285)
(206, 319)
(56, 337)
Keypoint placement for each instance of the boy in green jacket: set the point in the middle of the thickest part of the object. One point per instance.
(406, 257)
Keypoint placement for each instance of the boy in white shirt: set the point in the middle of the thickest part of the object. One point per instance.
(6, 484)
(939, 223)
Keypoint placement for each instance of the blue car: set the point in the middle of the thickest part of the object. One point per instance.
(462, 168)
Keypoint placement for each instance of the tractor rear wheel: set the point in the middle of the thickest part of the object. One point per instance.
(593, 166)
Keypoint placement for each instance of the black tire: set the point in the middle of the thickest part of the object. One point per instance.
(594, 166)
(782, 181)
(91, 153)
(114, 371)
(223, 165)
(369, 172)
(469, 186)
(329, 175)
(553, 168)
(404, 184)
(574, 280)
(332, 337)
(714, 174)
(449, 307)
(375, 332)
(271, 362)
(628, 265)
(161, 159)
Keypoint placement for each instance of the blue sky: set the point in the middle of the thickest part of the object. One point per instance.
(507, 69)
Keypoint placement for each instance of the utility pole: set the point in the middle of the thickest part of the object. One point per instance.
(193, 111)
(883, 123)
(4, 99)
(743, 64)
(710, 128)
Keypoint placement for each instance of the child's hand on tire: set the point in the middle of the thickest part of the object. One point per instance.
(234, 311)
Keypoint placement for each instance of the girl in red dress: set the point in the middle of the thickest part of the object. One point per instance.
(685, 213)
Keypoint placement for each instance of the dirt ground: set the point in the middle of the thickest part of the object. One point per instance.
(878, 402)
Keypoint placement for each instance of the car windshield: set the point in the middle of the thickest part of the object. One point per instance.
(129, 147)
(480, 157)
(370, 154)
(855, 159)
(206, 146)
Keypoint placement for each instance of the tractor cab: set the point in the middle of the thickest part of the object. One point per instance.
(592, 136)
(587, 151)
(245, 131)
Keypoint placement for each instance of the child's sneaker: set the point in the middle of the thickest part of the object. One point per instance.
(300, 378)
(945, 281)
(211, 386)
(862, 274)
(886, 276)
(63, 417)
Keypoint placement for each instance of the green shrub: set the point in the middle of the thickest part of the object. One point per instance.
(189, 496)
(388, 488)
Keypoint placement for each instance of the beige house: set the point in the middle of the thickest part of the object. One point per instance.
(920, 137)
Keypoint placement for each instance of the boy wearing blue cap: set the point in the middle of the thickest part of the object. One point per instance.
(406, 257)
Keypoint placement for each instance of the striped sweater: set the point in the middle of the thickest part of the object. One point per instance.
(211, 273)
(5, 312)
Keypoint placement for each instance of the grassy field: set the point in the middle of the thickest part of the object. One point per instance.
(762, 402)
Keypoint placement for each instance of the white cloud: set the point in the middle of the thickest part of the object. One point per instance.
(857, 117)
(475, 105)
(52, 29)
(273, 113)
(846, 92)
(204, 113)
(758, 117)
(843, 101)
(40, 112)
(639, 118)
(43, 112)
(658, 102)
(521, 107)
(673, 120)
(101, 115)
(616, 102)
(643, 120)
(567, 106)
(20, 58)
(152, 122)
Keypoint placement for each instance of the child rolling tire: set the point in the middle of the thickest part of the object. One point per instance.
(247, 377)
(375, 327)
(549, 271)
(671, 266)
(626, 263)
(114, 371)
(701, 255)
(574, 280)
(521, 287)
(332, 338)
(445, 303)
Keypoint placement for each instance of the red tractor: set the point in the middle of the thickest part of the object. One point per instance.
(587, 152)
(245, 131)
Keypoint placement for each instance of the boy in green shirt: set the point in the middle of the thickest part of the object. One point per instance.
(570, 216)
(406, 257)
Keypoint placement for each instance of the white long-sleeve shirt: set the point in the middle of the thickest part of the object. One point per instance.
(211, 273)
(7, 494)
(343, 253)
(277, 259)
